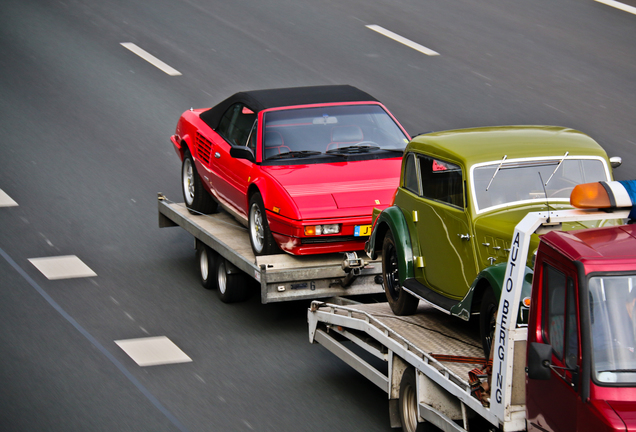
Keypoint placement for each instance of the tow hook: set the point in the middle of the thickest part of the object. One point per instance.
(351, 266)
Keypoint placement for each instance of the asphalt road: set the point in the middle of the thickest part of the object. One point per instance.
(84, 149)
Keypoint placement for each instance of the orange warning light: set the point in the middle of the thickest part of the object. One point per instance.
(590, 195)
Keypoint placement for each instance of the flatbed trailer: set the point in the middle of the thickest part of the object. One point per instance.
(282, 277)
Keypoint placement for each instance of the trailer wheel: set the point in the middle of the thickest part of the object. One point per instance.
(232, 287)
(401, 302)
(487, 320)
(196, 198)
(408, 404)
(261, 238)
(206, 258)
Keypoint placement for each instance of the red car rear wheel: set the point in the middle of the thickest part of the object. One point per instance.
(196, 198)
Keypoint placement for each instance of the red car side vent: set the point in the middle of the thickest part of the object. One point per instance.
(204, 148)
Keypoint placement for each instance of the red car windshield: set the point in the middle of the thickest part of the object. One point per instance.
(330, 129)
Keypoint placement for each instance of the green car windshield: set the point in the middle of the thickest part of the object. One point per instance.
(612, 326)
(502, 183)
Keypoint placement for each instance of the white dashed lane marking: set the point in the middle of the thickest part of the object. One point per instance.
(152, 351)
(150, 58)
(396, 37)
(619, 5)
(5, 200)
(62, 267)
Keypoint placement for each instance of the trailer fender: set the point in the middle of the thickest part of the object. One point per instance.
(397, 366)
(439, 402)
(392, 219)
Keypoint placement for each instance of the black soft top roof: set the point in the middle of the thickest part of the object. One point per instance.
(259, 100)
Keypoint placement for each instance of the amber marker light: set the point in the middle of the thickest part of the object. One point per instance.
(526, 302)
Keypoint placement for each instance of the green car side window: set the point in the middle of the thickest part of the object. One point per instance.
(410, 174)
(441, 181)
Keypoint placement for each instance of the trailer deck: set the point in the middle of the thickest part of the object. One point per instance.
(428, 331)
(282, 276)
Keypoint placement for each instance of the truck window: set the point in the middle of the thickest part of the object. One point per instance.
(441, 181)
(571, 329)
(560, 328)
(612, 326)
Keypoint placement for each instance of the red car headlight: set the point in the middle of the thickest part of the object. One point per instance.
(313, 230)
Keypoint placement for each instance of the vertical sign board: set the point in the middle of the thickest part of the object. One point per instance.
(503, 338)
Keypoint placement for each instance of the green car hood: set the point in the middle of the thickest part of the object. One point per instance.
(494, 230)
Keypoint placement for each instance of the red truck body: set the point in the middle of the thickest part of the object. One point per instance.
(582, 290)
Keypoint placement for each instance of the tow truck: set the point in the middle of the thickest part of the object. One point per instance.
(572, 367)
(228, 264)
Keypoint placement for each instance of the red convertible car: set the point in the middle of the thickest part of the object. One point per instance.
(302, 167)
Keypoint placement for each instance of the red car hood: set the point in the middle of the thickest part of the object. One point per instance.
(341, 189)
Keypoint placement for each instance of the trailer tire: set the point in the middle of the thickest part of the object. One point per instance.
(261, 238)
(487, 320)
(408, 403)
(196, 198)
(231, 287)
(206, 258)
(401, 302)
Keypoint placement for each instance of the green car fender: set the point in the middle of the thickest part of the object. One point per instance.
(392, 219)
(492, 277)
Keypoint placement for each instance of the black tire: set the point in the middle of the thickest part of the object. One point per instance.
(261, 238)
(196, 198)
(231, 287)
(487, 320)
(401, 302)
(408, 404)
(206, 258)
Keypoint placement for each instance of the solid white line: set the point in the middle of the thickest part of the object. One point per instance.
(619, 5)
(402, 40)
(150, 58)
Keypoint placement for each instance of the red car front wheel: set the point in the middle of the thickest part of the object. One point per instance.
(260, 236)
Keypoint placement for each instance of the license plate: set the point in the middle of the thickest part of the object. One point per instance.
(362, 230)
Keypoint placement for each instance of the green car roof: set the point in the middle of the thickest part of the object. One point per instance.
(484, 144)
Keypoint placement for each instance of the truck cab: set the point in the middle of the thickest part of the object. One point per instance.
(581, 346)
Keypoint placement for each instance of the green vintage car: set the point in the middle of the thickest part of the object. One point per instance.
(446, 238)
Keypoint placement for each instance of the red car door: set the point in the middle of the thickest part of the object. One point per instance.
(237, 128)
